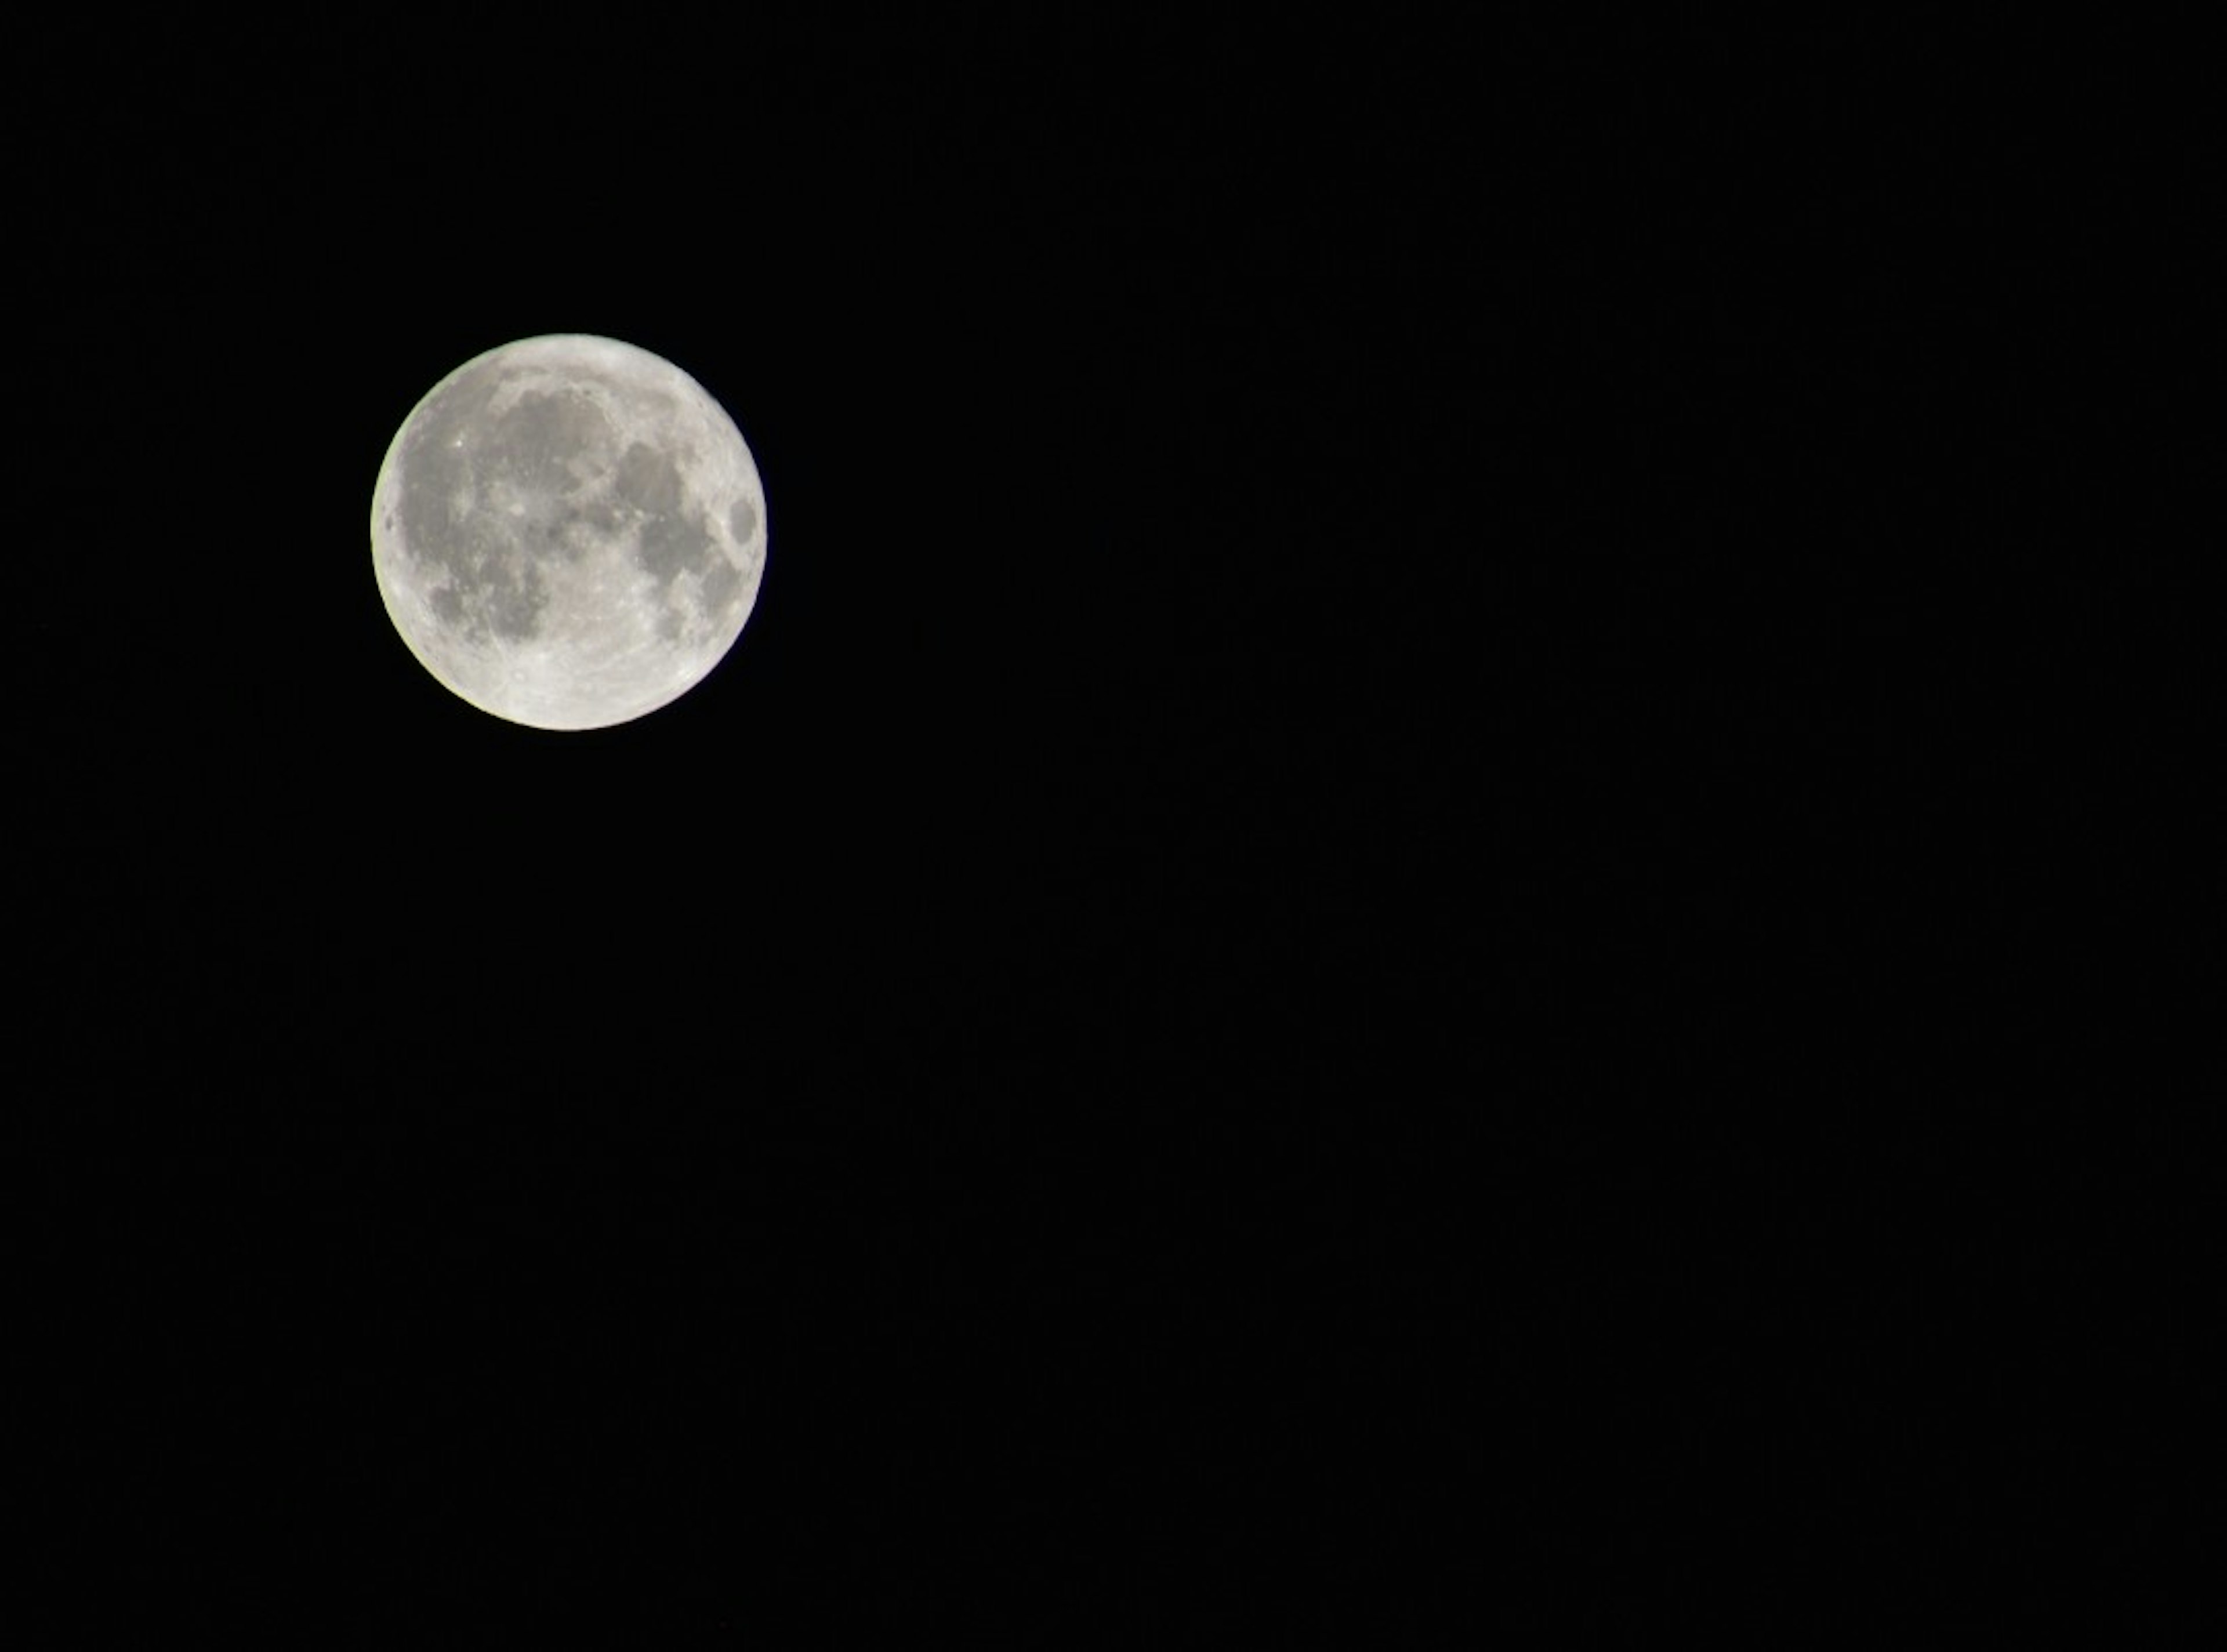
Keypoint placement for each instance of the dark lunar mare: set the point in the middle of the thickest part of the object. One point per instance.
(490, 584)
(670, 539)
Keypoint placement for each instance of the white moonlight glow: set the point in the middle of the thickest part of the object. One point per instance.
(568, 532)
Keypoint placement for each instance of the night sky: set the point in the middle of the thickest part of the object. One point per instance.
(1335, 945)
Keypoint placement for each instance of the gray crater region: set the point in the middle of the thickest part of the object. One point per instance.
(569, 532)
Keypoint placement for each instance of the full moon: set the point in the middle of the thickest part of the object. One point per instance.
(568, 532)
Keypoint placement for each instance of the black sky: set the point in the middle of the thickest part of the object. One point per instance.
(1279, 982)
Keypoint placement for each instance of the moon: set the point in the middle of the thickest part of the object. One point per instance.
(568, 532)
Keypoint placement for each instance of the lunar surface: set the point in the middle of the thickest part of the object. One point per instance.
(568, 532)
